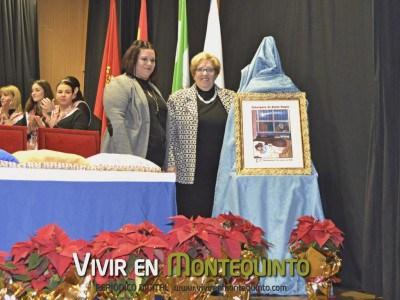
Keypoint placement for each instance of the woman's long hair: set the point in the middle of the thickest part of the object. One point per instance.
(48, 93)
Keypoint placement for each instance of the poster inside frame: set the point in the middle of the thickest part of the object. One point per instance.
(272, 136)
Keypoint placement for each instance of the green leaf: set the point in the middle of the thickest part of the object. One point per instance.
(23, 278)
(10, 266)
(42, 267)
(55, 280)
(131, 263)
(34, 260)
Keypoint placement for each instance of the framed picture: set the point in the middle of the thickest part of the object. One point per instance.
(272, 136)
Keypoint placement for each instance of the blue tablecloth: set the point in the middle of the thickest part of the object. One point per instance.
(271, 202)
(82, 204)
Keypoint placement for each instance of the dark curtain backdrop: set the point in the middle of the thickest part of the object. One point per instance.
(326, 47)
(381, 264)
(329, 49)
(19, 50)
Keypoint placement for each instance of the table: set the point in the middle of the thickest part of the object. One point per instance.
(83, 202)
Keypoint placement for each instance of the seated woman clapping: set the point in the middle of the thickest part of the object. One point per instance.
(38, 105)
(64, 114)
(78, 99)
(11, 109)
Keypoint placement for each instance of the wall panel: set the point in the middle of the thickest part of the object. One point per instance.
(62, 39)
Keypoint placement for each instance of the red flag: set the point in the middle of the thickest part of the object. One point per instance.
(110, 65)
(142, 28)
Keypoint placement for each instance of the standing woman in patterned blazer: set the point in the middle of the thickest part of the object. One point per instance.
(197, 118)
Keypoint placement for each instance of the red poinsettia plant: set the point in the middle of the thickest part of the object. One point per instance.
(42, 261)
(45, 264)
(223, 236)
(320, 234)
(131, 242)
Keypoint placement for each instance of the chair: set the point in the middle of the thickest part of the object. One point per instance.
(82, 142)
(13, 138)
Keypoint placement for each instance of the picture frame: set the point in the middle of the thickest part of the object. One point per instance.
(272, 134)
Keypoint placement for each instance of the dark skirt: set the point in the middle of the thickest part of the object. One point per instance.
(195, 199)
(198, 199)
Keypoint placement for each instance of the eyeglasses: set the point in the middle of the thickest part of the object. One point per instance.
(207, 70)
(146, 60)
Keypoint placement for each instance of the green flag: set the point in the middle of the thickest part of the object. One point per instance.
(181, 69)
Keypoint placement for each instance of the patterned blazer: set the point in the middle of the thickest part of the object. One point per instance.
(182, 130)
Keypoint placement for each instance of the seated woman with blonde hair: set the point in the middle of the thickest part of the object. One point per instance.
(11, 109)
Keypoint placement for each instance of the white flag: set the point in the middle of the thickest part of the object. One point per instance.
(213, 42)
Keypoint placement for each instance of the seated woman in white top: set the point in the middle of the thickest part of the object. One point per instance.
(11, 112)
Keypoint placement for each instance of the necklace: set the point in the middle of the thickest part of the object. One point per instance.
(152, 96)
(207, 101)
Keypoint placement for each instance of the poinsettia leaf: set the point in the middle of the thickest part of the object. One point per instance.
(60, 262)
(214, 244)
(233, 248)
(34, 260)
(203, 234)
(54, 282)
(149, 228)
(149, 252)
(124, 249)
(9, 265)
(237, 235)
(102, 279)
(21, 277)
(3, 256)
(73, 247)
(180, 220)
(128, 228)
(320, 237)
(306, 219)
(21, 250)
(51, 235)
(39, 284)
(256, 237)
(18, 270)
(98, 250)
(185, 235)
(160, 254)
(130, 263)
(42, 267)
(156, 242)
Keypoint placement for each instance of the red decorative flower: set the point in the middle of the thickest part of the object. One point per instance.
(48, 253)
(225, 234)
(142, 241)
(3, 256)
(46, 260)
(310, 230)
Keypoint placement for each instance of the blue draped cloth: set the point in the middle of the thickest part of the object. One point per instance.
(271, 202)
